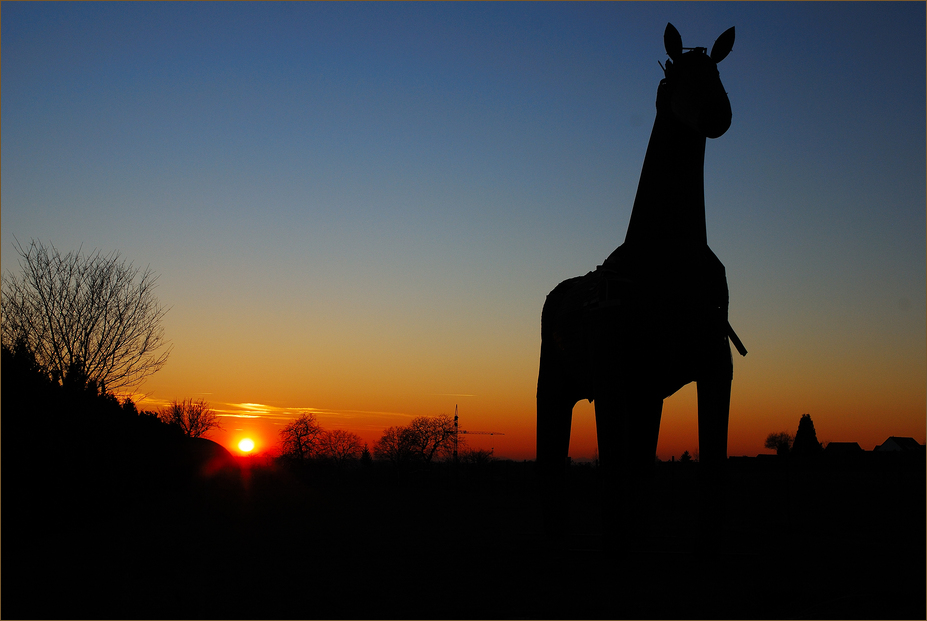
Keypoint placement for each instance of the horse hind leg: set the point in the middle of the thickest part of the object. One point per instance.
(554, 421)
(627, 429)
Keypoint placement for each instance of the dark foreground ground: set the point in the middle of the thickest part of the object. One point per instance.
(801, 541)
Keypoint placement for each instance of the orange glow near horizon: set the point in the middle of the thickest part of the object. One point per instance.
(752, 419)
(254, 437)
(769, 394)
(365, 376)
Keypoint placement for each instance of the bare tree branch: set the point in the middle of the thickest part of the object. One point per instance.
(195, 418)
(340, 445)
(395, 445)
(432, 435)
(301, 438)
(424, 438)
(94, 311)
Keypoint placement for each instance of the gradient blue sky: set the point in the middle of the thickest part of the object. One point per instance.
(358, 209)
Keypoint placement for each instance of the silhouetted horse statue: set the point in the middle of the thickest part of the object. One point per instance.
(652, 317)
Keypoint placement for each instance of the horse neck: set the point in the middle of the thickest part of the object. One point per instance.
(669, 209)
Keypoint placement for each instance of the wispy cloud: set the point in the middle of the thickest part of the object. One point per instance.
(279, 415)
(255, 410)
(273, 412)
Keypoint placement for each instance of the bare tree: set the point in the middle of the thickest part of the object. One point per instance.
(301, 438)
(195, 418)
(395, 445)
(780, 442)
(432, 435)
(341, 445)
(85, 311)
(425, 438)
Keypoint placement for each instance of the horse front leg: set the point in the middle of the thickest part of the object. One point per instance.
(627, 428)
(714, 404)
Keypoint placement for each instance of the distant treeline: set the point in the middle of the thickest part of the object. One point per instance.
(67, 435)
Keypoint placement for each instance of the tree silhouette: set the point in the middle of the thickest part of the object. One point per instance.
(301, 438)
(366, 458)
(195, 418)
(432, 436)
(395, 445)
(806, 439)
(86, 312)
(423, 439)
(340, 445)
(780, 442)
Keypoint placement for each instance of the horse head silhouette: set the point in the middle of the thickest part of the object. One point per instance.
(692, 88)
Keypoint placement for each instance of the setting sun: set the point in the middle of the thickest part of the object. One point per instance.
(246, 445)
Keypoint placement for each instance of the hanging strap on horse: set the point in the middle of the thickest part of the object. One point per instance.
(735, 340)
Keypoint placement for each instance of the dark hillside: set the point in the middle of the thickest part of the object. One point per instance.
(109, 515)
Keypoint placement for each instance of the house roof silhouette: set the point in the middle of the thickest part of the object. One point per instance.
(843, 448)
(896, 443)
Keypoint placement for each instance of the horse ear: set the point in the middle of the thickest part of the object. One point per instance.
(672, 41)
(723, 45)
